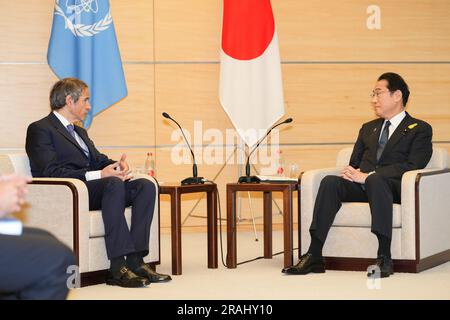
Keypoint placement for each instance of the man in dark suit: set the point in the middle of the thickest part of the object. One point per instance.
(57, 148)
(385, 149)
(33, 264)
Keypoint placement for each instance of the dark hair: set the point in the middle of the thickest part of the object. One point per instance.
(63, 88)
(396, 82)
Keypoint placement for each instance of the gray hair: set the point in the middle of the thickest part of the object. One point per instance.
(63, 88)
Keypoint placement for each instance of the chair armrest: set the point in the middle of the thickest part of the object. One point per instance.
(309, 186)
(61, 207)
(310, 182)
(425, 212)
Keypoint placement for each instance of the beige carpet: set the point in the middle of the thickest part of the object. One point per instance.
(263, 280)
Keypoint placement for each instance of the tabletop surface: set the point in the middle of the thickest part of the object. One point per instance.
(263, 186)
(172, 186)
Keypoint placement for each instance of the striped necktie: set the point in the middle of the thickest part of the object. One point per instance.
(383, 139)
(80, 142)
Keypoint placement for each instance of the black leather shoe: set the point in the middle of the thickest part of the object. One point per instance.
(146, 272)
(386, 266)
(306, 264)
(127, 279)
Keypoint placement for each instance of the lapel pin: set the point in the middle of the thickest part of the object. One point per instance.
(411, 126)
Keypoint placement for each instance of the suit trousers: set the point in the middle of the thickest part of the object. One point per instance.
(112, 196)
(34, 266)
(380, 192)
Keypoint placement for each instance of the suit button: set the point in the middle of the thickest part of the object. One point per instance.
(376, 167)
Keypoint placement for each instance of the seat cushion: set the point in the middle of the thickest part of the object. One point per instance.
(97, 228)
(357, 214)
(357, 242)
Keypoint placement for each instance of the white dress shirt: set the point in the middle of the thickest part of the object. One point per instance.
(395, 122)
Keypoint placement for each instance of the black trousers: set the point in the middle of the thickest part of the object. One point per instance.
(34, 266)
(112, 196)
(381, 193)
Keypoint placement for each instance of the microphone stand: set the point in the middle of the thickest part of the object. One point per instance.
(194, 179)
(254, 179)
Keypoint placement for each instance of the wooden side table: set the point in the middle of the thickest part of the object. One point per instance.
(175, 191)
(267, 188)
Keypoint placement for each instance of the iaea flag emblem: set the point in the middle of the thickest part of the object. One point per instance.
(83, 45)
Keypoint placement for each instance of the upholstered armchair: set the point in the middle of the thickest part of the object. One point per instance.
(61, 206)
(421, 223)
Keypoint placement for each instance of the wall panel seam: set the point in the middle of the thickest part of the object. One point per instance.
(218, 62)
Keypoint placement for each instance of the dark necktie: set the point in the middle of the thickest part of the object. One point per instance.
(83, 146)
(383, 139)
(71, 130)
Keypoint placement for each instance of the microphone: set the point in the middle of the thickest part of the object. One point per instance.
(254, 179)
(194, 179)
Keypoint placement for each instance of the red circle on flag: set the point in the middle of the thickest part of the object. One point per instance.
(248, 28)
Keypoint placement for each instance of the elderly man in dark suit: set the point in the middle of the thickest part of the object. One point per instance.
(33, 263)
(57, 148)
(385, 149)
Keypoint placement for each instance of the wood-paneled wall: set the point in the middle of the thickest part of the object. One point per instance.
(170, 51)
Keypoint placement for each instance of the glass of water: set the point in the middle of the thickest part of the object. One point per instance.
(294, 171)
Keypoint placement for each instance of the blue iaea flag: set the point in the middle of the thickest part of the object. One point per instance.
(83, 45)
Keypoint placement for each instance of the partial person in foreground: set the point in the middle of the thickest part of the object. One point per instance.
(58, 148)
(33, 263)
(385, 149)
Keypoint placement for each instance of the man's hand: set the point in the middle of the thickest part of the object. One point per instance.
(354, 175)
(123, 164)
(125, 168)
(13, 190)
(114, 170)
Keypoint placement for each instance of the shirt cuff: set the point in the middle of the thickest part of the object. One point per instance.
(93, 175)
(362, 184)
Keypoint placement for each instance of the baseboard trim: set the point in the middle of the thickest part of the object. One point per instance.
(361, 264)
(409, 266)
(433, 261)
(93, 278)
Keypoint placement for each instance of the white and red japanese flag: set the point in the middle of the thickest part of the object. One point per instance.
(251, 89)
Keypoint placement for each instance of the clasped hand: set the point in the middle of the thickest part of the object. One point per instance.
(354, 175)
(13, 191)
(119, 169)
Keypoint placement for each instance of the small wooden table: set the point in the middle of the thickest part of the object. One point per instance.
(175, 190)
(267, 189)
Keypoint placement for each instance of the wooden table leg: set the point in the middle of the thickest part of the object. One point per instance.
(267, 225)
(287, 227)
(175, 203)
(231, 229)
(212, 228)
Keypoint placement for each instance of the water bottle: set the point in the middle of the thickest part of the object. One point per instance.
(280, 166)
(149, 165)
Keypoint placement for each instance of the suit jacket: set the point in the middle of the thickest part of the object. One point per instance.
(408, 148)
(53, 152)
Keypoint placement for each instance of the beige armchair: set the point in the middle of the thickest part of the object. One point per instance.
(61, 206)
(421, 223)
